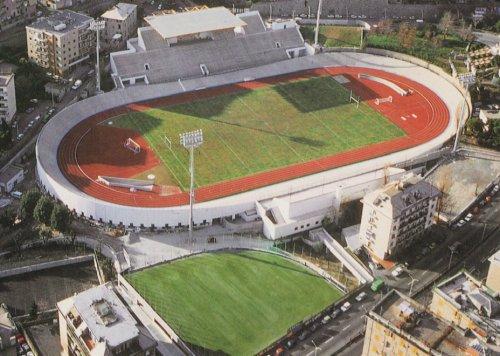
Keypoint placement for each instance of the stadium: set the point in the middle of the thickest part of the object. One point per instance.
(285, 143)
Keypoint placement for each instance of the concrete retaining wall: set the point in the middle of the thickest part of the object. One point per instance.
(45, 265)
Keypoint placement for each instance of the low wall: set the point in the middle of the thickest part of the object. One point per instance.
(331, 22)
(158, 320)
(45, 265)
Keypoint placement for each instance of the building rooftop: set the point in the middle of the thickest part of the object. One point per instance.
(192, 22)
(473, 299)
(410, 320)
(493, 114)
(120, 11)
(61, 22)
(399, 195)
(5, 78)
(105, 316)
(9, 173)
(495, 258)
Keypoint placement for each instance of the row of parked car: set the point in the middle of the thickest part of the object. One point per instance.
(22, 347)
(37, 118)
(482, 203)
(304, 331)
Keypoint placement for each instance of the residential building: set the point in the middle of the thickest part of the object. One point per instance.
(393, 216)
(203, 42)
(120, 25)
(10, 177)
(398, 325)
(7, 97)
(8, 331)
(471, 306)
(57, 4)
(96, 322)
(15, 12)
(486, 116)
(60, 41)
(493, 278)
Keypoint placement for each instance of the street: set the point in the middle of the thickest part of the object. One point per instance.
(479, 239)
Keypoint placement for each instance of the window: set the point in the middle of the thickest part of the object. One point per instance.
(301, 226)
(146, 66)
(296, 228)
(278, 45)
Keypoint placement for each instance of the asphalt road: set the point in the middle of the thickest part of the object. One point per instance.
(479, 238)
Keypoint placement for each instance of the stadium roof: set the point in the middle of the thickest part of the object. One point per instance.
(187, 23)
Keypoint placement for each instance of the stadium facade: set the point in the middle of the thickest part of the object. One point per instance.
(284, 208)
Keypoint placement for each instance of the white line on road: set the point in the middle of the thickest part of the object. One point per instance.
(347, 327)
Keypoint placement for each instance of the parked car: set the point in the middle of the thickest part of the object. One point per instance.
(31, 123)
(38, 117)
(460, 223)
(335, 313)
(303, 336)
(326, 319)
(361, 296)
(396, 272)
(77, 84)
(290, 343)
(30, 110)
(20, 136)
(468, 217)
(345, 307)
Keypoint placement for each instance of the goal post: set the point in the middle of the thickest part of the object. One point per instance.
(132, 145)
(352, 98)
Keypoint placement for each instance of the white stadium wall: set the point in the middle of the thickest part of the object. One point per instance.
(54, 182)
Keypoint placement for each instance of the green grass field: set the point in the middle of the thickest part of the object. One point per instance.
(257, 130)
(238, 303)
(334, 36)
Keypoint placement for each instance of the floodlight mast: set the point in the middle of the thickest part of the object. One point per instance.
(191, 140)
(467, 80)
(316, 31)
(97, 26)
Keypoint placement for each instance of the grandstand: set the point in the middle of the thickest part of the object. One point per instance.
(161, 53)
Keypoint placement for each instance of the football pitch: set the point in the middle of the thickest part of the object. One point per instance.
(237, 303)
(256, 130)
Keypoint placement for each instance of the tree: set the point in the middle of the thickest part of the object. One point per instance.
(33, 310)
(44, 233)
(384, 27)
(5, 135)
(28, 203)
(60, 219)
(465, 31)
(407, 35)
(8, 218)
(43, 210)
(474, 126)
(446, 23)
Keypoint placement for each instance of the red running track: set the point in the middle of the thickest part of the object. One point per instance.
(422, 115)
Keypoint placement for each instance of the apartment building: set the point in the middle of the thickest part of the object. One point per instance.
(57, 4)
(397, 213)
(469, 305)
(120, 25)
(398, 325)
(60, 41)
(493, 278)
(7, 97)
(14, 12)
(96, 322)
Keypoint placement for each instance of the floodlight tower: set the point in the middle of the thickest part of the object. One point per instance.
(316, 32)
(97, 26)
(467, 80)
(191, 140)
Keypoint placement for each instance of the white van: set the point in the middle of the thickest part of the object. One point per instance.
(77, 84)
(16, 194)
